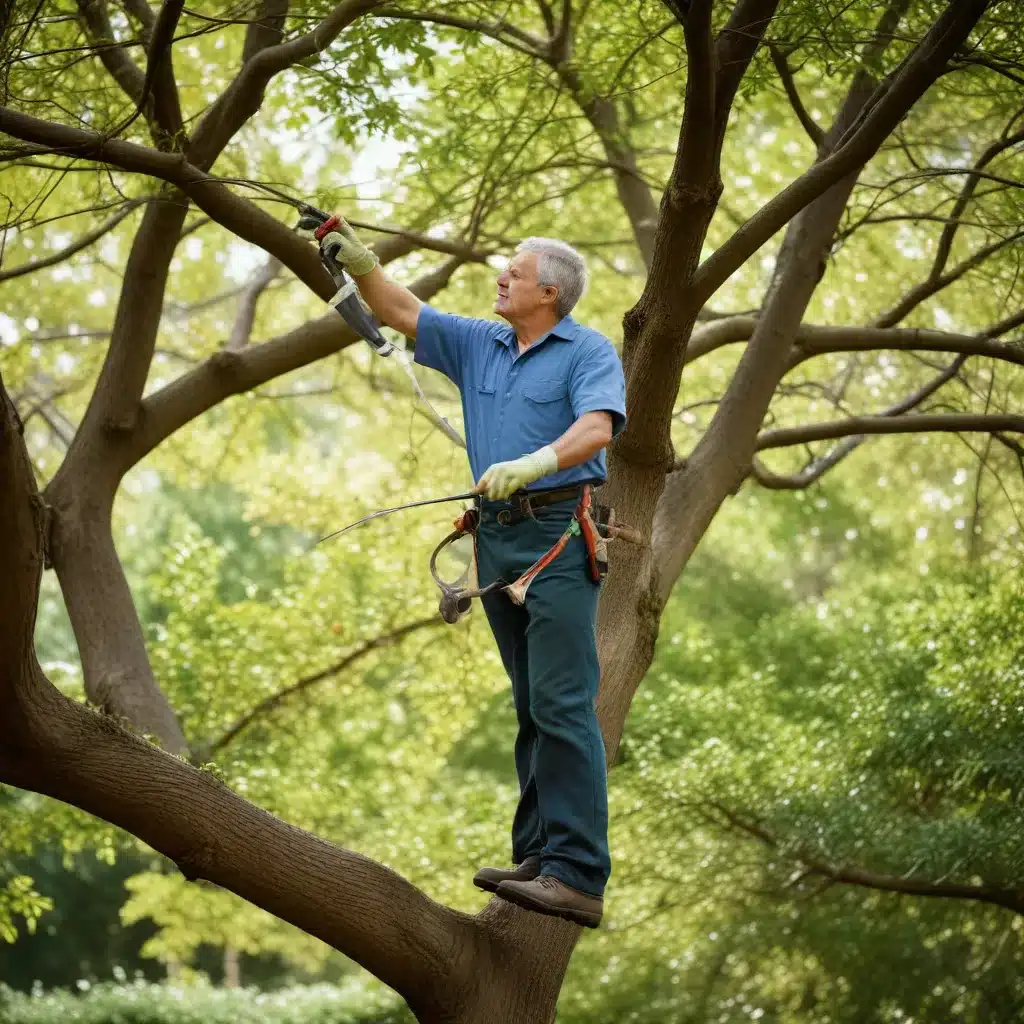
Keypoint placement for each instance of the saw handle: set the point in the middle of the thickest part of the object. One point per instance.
(619, 531)
(327, 226)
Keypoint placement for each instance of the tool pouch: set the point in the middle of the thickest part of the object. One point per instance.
(597, 545)
(468, 521)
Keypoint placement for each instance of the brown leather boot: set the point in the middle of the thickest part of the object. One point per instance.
(489, 879)
(548, 895)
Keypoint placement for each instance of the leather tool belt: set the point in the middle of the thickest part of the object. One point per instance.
(596, 523)
(524, 503)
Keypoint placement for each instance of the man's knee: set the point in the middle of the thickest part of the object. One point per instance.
(567, 709)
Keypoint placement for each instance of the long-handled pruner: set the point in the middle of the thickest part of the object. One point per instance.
(399, 508)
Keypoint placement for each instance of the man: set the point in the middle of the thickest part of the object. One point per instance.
(542, 397)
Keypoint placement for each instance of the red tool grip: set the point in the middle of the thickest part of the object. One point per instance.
(328, 225)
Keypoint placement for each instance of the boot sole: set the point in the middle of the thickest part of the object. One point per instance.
(488, 886)
(583, 917)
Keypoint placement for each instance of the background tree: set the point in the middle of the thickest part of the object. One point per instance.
(540, 121)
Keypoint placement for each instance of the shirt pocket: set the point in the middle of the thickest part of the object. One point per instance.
(543, 392)
(544, 412)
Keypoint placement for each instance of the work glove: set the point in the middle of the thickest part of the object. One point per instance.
(502, 478)
(343, 246)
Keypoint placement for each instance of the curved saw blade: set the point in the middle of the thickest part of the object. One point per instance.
(398, 508)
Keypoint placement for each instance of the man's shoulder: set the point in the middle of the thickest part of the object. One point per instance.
(458, 322)
(587, 338)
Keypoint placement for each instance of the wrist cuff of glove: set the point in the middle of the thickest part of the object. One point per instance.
(363, 264)
(546, 460)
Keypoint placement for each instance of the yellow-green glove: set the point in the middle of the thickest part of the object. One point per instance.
(343, 246)
(501, 479)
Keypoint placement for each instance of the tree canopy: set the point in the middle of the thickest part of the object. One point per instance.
(803, 223)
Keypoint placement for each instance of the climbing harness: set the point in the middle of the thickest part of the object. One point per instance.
(595, 523)
(347, 301)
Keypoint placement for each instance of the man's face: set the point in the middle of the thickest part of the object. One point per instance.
(519, 294)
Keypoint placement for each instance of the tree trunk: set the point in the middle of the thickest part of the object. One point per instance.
(675, 510)
(118, 676)
(115, 664)
(505, 965)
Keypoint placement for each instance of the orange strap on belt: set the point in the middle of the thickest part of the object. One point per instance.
(582, 523)
(517, 591)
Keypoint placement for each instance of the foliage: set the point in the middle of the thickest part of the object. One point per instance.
(143, 1003)
(838, 673)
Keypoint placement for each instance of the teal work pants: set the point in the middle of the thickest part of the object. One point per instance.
(549, 649)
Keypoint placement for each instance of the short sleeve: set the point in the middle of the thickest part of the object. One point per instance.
(442, 341)
(597, 383)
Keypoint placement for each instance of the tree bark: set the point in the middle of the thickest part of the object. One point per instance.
(503, 965)
(115, 664)
(657, 331)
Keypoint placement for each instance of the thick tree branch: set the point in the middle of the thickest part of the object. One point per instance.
(164, 115)
(128, 75)
(691, 496)
(243, 98)
(893, 99)
(275, 700)
(267, 30)
(246, 315)
(143, 14)
(734, 50)
(560, 46)
(658, 327)
(813, 340)
(115, 401)
(819, 466)
(230, 373)
(238, 215)
(695, 159)
(680, 10)
(75, 247)
(159, 81)
(352, 903)
(22, 551)
(815, 133)
(957, 423)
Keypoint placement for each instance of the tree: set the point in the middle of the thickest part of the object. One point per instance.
(891, 98)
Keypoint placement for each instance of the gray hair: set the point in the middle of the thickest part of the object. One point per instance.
(560, 266)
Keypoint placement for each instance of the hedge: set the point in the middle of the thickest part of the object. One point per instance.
(146, 1003)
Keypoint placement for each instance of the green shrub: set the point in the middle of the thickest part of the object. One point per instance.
(145, 1003)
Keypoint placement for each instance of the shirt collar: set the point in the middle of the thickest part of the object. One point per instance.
(565, 330)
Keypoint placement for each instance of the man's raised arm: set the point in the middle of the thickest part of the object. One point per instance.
(392, 304)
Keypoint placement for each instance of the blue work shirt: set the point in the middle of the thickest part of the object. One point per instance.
(514, 403)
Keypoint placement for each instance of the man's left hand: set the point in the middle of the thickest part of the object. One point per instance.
(503, 478)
